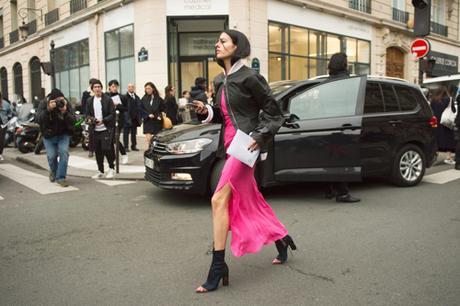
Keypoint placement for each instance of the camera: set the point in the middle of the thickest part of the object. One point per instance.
(60, 103)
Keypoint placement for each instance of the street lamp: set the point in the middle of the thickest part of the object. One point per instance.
(24, 28)
(48, 67)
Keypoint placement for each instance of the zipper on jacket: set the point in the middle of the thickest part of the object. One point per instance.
(227, 101)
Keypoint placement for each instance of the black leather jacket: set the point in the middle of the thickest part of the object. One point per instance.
(251, 106)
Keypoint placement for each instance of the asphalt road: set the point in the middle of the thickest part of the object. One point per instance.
(135, 244)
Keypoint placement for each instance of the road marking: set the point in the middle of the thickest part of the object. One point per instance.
(2, 198)
(31, 180)
(90, 164)
(442, 177)
(114, 182)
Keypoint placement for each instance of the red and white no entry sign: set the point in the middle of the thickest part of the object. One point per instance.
(420, 47)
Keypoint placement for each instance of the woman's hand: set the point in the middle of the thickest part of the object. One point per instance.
(253, 146)
(200, 108)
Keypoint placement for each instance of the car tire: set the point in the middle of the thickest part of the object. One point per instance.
(215, 175)
(408, 166)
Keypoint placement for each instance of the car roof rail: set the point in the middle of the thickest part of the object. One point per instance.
(387, 78)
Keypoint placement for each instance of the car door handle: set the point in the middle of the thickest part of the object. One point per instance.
(394, 122)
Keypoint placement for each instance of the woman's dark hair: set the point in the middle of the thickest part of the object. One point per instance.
(338, 63)
(440, 93)
(243, 49)
(168, 91)
(155, 90)
(185, 92)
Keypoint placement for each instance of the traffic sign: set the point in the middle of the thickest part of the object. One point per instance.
(420, 47)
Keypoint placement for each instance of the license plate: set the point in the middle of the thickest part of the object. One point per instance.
(149, 163)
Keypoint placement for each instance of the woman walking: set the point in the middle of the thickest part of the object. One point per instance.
(445, 137)
(237, 204)
(171, 104)
(152, 107)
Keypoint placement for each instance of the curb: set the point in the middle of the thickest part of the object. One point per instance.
(37, 166)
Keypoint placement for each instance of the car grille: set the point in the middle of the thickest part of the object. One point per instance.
(159, 148)
(153, 175)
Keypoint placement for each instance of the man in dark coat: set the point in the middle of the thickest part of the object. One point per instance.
(338, 68)
(121, 105)
(198, 92)
(133, 118)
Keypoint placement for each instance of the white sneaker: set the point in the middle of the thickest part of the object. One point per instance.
(449, 161)
(98, 175)
(124, 159)
(110, 174)
(1, 158)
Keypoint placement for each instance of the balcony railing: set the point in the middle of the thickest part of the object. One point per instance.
(52, 16)
(77, 5)
(2, 44)
(400, 16)
(32, 27)
(438, 28)
(14, 36)
(360, 5)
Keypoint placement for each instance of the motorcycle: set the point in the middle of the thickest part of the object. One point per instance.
(28, 134)
(77, 136)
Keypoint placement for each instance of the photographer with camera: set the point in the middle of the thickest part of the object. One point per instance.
(56, 124)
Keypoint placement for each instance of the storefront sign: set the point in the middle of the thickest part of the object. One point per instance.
(143, 55)
(255, 64)
(196, 7)
(445, 64)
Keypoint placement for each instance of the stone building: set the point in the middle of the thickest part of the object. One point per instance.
(171, 41)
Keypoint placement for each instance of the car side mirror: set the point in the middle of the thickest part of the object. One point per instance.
(290, 120)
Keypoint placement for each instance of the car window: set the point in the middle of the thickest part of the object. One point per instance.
(389, 98)
(407, 98)
(373, 102)
(332, 99)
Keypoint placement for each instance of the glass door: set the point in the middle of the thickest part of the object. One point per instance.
(190, 70)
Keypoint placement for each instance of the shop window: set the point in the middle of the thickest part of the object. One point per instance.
(333, 45)
(4, 82)
(363, 51)
(18, 81)
(119, 54)
(351, 50)
(298, 68)
(277, 67)
(298, 41)
(72, 69)
(278, 38)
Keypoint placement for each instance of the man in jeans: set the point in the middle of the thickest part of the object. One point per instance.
(56, 124)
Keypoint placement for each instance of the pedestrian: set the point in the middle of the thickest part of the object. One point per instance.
(5, 115)
(184, 111)
(457, 128)
(152, 107)
(121, 105)
(101, 111)
(338, 68)
(171, 104)
(198, 92)
(237, 204)
(445, 137)
(133, 119)
(88, 93)
(56, 125)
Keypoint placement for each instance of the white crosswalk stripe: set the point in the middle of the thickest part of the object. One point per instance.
(89, 164)
(2, 198)
(442, 177)
(114, 182)
(34, 181)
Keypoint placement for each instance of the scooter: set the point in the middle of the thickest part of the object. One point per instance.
(28, 134)
(78, 130)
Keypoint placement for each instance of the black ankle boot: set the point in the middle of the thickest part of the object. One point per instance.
(218, 271)
(282, 247)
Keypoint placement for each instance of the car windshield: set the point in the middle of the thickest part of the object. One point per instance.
(281, 86)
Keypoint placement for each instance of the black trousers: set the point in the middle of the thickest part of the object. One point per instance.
(2, 139)
(457, 149)
(126, 132)
(339, 188)
(103, 145)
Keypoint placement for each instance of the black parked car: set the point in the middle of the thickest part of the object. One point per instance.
(340, 129)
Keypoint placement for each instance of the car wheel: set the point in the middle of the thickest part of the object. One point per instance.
(408, 166)
(215, 175)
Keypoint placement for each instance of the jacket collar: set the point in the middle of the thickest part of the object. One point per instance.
(237, 66)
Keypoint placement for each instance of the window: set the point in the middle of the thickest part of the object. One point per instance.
(297, 53)
(438, 11)
(391, 103)
(332, 99)
(119, 54)
(35, 78)
(373, 102)
(4, 82)
(72, 69)
(407, 98)
(17, 76)
(360, 5)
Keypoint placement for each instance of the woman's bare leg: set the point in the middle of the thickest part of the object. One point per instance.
(220, 218)
(148, 138)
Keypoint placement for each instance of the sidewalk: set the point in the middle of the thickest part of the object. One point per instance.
(80, 165)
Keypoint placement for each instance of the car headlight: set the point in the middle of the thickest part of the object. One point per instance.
(189, 146)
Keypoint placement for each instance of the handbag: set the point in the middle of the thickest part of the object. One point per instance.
(167, 123)
(448, 116)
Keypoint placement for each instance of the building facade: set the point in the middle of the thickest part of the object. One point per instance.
(172, 41)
